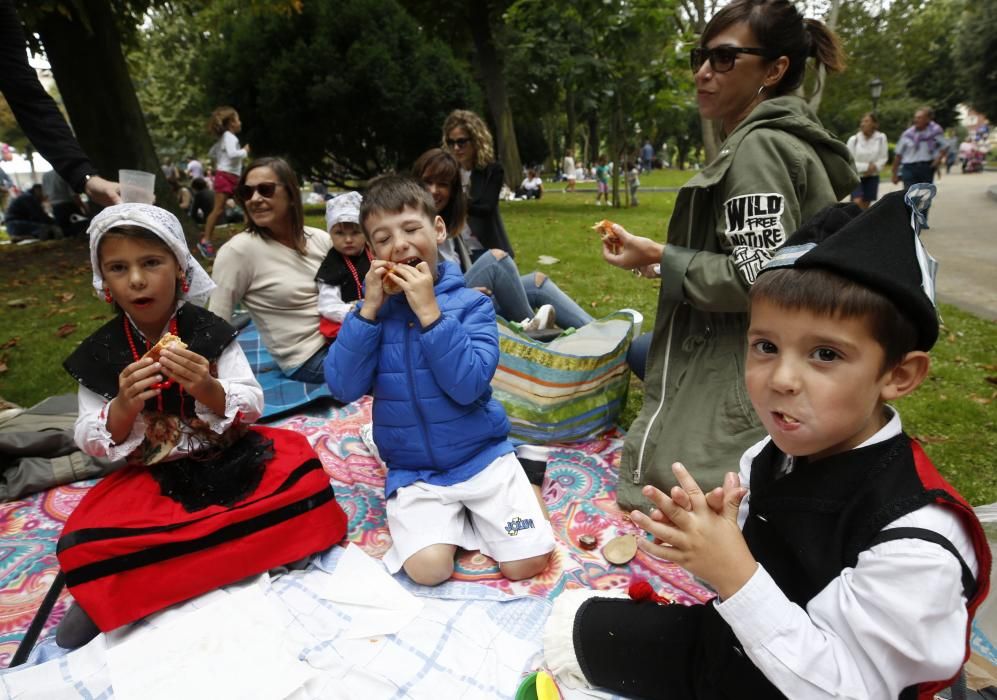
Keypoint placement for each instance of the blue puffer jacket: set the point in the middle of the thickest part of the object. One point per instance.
(434, 416)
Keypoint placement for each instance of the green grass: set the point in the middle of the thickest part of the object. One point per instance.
(954, 412)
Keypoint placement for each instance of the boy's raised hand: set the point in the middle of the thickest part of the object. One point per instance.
(694, 535)
(417, 283)
(374, 293)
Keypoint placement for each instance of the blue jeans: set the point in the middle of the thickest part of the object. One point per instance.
(637, 354)
(516, 296)
(313, 371)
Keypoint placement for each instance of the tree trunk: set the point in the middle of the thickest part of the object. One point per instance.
(711, 138)
(90, 70)
(594, 147)
(572, 120)
(490, 62)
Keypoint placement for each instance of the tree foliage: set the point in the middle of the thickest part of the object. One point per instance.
(345, 90)
(976, 52)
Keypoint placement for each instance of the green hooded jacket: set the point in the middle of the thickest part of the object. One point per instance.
(778, 168)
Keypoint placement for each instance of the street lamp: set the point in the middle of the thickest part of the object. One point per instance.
(875, 89)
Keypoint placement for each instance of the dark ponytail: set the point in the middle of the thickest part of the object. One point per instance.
(780, 27)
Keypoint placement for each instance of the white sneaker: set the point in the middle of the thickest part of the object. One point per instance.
(542, 320)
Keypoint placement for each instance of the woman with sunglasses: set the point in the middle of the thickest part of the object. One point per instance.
(777, 166)
(466, 136)
(270, 267)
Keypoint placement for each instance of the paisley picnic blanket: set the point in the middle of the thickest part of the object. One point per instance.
(579, 490)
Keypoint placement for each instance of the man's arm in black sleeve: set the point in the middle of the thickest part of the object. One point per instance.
(35, 110)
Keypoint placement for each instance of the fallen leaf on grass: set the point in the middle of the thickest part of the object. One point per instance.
(982, 400)
(98, 317)
(10, 343)
(992, 380)
(18, 303)
(65, 296)
(3, 366)
(65, 329)
(931, 439)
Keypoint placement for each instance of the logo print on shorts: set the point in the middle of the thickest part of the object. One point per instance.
(513, 527)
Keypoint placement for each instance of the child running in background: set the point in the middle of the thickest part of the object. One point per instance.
(228, 157)
(602, 182)
(340, 277)
(165, 386)
(426, 347)
(850, 568)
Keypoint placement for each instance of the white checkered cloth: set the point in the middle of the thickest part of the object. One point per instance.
(469, 641)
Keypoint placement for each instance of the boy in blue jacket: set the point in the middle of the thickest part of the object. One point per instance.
(426, 347)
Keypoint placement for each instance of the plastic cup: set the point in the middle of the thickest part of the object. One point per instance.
(137, 186)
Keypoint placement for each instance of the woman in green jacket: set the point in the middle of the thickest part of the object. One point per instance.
(777, 166)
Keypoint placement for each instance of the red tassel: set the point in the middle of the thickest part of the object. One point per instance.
(640, 589)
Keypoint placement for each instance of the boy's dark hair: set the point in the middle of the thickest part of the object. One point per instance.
(825, 293)
(198, 184)
(392, 194)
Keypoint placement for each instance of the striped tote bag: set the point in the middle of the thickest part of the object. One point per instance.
(570, 389)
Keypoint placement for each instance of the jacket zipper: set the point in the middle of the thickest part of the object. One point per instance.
(638, 472)
(415, 402)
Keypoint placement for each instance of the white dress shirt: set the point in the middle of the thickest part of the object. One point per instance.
(897, 618)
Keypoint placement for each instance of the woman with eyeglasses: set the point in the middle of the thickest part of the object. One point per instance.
(466, 136)
(271, 266)
(777, 166)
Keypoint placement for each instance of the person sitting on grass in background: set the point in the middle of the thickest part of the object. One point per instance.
(340, 278)
(849, 567)
(165, 385)
(427, 348)
(532, 187)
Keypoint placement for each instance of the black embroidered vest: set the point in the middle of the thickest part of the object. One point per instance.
(335, 272)
(806, 526)
(99, 359)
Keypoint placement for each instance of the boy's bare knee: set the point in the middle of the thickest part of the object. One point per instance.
(497, 253)
(525, 568)
(538, 279)
(431, 565)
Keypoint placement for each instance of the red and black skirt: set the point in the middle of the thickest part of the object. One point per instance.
(138, 543)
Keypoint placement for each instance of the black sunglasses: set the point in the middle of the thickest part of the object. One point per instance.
(721, 58)
(461, 142)
(266, 190)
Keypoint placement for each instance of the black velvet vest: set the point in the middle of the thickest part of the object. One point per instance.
(335, 272)
(99, 359)
(804, 528)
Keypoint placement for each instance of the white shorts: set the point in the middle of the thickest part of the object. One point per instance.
(495, 511)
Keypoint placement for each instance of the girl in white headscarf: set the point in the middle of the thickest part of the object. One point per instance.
(340, 277)
(165, 386)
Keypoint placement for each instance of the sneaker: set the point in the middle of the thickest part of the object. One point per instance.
(543, 320)
(206, 249)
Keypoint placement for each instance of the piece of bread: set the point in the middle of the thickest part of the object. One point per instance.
(388, 282)
(608, 235)
(164, 342)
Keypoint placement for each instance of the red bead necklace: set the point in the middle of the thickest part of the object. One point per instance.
(164, 385)
(353, 270)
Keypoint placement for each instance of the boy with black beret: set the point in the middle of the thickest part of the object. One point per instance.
(852, 569)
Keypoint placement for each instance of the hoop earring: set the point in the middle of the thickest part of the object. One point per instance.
(107, 295)
(760, 90)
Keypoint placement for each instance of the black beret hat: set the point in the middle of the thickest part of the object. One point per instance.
(878, 248)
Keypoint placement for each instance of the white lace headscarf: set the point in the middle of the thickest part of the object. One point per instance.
(162, 223)
(344, 207)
